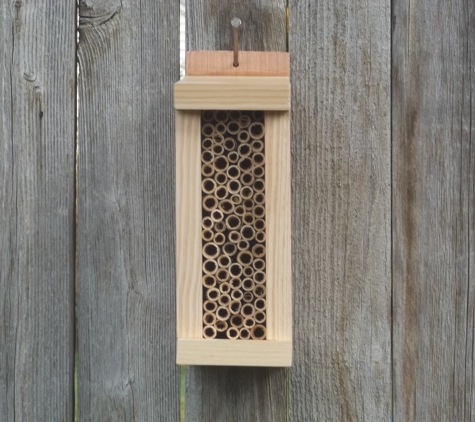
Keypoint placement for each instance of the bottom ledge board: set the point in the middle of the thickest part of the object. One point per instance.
(234, 352)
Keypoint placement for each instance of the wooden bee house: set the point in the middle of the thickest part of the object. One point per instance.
(233, 210)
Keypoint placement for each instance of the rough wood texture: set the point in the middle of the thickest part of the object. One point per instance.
(236, 394)
(340, 72)
(126, 224)
(37, 132)
(434, 206)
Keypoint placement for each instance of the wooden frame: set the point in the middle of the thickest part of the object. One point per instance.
(192, 348)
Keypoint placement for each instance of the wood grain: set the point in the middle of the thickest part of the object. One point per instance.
(236, 394)
(340, 72)
(37, 136)
(433, 210)
(126, 220)
(251, 63)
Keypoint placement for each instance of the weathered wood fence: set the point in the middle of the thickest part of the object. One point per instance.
(383, 208)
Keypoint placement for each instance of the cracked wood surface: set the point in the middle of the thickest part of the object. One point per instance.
(37, 133)
(128, 61)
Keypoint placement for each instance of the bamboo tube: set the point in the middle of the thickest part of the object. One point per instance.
(221, 178)
(222, 313)
(219, 239)
(229, 248)
(207, 170)
(249, 322)
(221, 326)
(207, 235)
(260, 317)
(207, 157)
(210, 306)
(208, 281)
(235, 115)
(207, 115)
(234, 236)
(259, 264)
(226, 206)
(257, 146)
(211, 250)
(236, 199)
(217, 215)
(222, 275)
(243, 245)
(207, 143)
(259, 224)
(229, 144)
(258, 171)
(239, 210)
(258, 332)
(247, 192)
(224, 300)
(237, 321)
(236, 295)
(218, 149)
(209, 203)
(248, 284)
(221, 192)
(220, 227)
(208, 130)
(208, 186)
(235, 306)
(217, 138)
(244, 121)
(244, 333)
(234, 186)
(245, 164)
(259, 211)
(233, 157)
(233, 222)
(243, 136)
(233, 127)
(221, 163)
(235, 269)
(210, 266)
(256, 130)
(261, 237)
(248, 271)
(209, 332)
(221, 115)
(213, 294)
(259, 292)
(232, 333)
(233, 172)
(247, 232)
(258, 159)
(207, 223)
(259, 277)
(258, 251)
(235, 283)
(224, 261)
(247, 179)
(259, 198)
(244, 150)
(259, 185)
(220, 128)
(209, 318)
(248, 204)
(258, 115)
(225, 288)
(248, 219)
(247, 297)
(260, 303)
(247, 310)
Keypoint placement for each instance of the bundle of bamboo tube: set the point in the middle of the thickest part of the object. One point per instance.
(233, 224)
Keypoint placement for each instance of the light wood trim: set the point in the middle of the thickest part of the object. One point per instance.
(188, 223)
(278, 224)
(251, 63)
(234, 352)
(233, 93)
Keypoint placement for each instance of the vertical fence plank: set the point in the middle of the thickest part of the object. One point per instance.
(37, 133)
(235, 394)
(128, 62)
(433, 199)
(340, 52)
